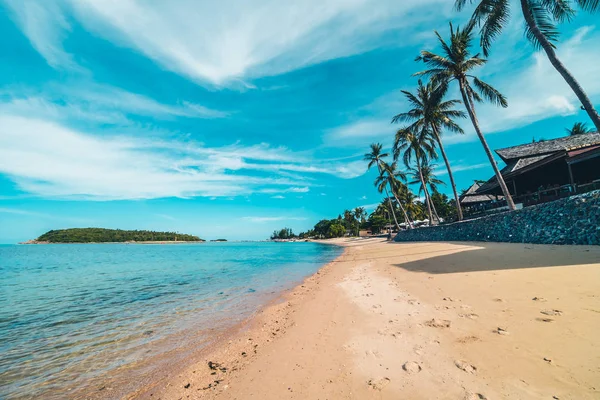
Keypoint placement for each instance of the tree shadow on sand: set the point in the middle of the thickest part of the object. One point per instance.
(456, 257)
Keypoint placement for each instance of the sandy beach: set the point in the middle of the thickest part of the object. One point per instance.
(416, 321)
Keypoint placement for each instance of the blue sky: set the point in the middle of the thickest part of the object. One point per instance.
(233, 118)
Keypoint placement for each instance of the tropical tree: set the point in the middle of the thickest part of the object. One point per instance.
(420, 145)
(579, 128)
(376, 157)
(429, 182)
(394, 178)
(431, 111)
(456, 65)
(541, 19)
(360, 214)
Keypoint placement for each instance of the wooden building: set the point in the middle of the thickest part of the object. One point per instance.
(473, 203)
(550, 169)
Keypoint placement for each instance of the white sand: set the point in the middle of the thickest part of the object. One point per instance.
(418, 321)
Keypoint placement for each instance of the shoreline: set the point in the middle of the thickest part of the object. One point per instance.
(231, 350)
(116, 385)
(390, 320)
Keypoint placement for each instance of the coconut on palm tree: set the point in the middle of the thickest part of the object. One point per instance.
(431, 111)
(579, 128)
(394, 178)
(418, 144)
(376, 157)
(541, 19)
(456, 65)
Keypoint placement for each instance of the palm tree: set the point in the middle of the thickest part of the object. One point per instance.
(432, 112)
(420, 145)
(360, 214)
(541, 18)
(394, 178)
(430, 181)
(375, 157)
(579, 128)
(456, 65)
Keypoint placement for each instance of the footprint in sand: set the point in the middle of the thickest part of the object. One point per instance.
(540, 299)
(412, 367)
(474, 396)
(469, 316)
(544, 319)
(468, 339)
(465, 366)
(378, 383)
(551, 312)
(438, 323)
(501, 331)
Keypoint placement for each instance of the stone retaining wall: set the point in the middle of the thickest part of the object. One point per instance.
(574, 220)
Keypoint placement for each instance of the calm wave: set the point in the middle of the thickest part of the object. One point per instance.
(72, 314)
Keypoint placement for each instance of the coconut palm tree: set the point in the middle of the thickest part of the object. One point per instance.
(541, 18)
(429, 182)
(431, 111)
(579, 128)
(376, 157)
(360, 214)
(420, 145)
(394, 178)
(456, 64)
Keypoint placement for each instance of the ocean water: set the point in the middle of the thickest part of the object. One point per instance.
(74, 318)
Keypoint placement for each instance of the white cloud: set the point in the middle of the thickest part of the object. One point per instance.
(46, 26)
(365, 129)
(299, 189)
(228, 40)
(96, 103)
(534, 89)
(279, 197)
(272, 219)
(48, 159)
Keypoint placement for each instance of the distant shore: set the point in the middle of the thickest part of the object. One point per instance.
(414, 320)
(128, 242)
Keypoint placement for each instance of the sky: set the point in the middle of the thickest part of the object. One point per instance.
(230, 119)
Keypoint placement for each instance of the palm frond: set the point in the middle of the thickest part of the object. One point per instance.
(496, 15)
(490, 93)
(589, 5)
(543, 20)
(561, 10)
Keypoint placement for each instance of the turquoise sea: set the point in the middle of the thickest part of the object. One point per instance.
(82, 318)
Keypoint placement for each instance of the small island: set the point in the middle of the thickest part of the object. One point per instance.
(219, 240)
(101, 235)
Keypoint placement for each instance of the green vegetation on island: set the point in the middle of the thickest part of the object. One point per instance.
(100, 235)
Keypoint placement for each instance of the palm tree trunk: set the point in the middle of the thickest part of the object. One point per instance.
(471, 110)
(390, 202)
(439, 140)
(392, 209)
(406, 219)
(433, 208)
(425, 190)
(559, 66)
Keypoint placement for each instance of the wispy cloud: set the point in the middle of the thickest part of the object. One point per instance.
(441, 170)
(49, 159)
(261, 38)
(96, 103)
(36, 214)
(534, 89)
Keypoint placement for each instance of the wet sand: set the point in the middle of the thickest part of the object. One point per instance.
(416, 321)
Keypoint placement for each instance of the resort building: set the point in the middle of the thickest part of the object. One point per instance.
(544, 171)
(473, 203)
